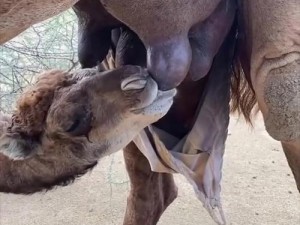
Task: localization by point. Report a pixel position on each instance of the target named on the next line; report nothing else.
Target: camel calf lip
(162, 103)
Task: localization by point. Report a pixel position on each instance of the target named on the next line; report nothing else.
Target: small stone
(256, 214)
(254, 177)
(290, 192)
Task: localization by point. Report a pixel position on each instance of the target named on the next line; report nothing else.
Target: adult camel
(269, 52)
(179, 39)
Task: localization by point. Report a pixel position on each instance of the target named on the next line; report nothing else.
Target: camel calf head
(65, 122)
(102, 111)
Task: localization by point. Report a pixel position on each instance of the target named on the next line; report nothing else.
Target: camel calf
(65, 122)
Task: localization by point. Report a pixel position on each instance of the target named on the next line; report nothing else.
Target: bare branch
(48, 45)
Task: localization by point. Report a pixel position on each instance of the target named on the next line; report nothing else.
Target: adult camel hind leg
(151, 193)
(272, 36)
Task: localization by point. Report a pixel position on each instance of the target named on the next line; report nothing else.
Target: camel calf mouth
(161, 103)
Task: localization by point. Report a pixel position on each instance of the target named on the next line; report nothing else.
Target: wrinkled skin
(270, 42)
(64, 123)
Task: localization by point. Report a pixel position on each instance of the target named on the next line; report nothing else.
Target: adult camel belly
(271, 31)
(179, 35)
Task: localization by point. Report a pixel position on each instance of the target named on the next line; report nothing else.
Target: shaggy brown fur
(34, 103)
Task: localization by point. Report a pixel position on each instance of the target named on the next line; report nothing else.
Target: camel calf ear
(16, 146)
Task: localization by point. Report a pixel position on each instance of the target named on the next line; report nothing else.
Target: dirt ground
(258, 188)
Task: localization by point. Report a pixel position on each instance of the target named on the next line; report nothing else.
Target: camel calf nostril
(133, 83)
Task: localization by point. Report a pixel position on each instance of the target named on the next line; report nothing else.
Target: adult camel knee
(271, 34)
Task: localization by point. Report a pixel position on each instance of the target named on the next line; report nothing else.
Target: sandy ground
(258, 188)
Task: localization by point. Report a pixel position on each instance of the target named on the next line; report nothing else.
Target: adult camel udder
(64, 123)
(181, 36)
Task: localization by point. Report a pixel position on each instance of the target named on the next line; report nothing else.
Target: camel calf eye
(81, 125)
(74, 126)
